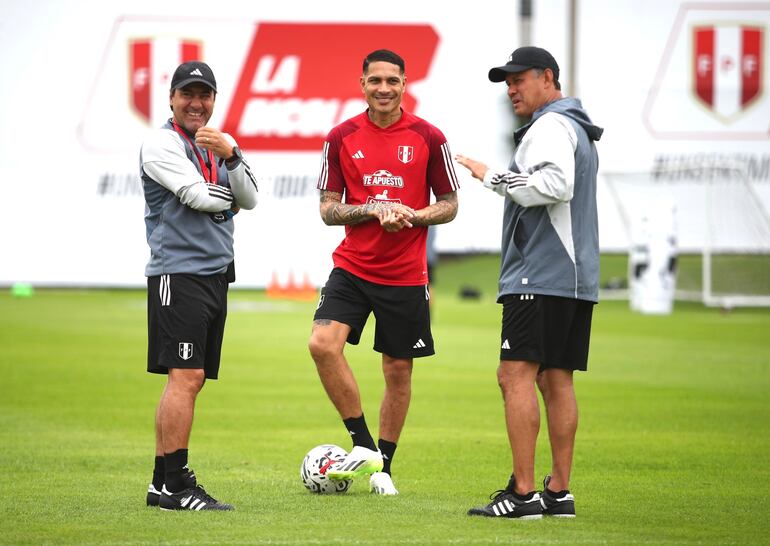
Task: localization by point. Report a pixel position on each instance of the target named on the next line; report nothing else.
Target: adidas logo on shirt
(358, 155)
(506, 345)
(419, 345)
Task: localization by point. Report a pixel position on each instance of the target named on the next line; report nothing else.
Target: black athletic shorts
(186, 322)
(550, 330)
(402, 313)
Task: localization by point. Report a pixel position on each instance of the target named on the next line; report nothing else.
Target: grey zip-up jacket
(550, 243)
(188, 228)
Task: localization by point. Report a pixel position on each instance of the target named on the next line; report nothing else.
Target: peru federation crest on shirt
(405, 153)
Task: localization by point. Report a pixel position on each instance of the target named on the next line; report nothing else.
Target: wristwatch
(236, 157)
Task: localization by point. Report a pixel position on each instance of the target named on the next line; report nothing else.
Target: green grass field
(672, 445)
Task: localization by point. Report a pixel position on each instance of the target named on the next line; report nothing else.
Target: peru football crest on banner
(151, 62)
(727, 62)
(712, 79)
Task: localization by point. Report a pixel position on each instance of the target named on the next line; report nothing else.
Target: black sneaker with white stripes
(153, 496)
(507, 505)
(194, 498)
(559, 504)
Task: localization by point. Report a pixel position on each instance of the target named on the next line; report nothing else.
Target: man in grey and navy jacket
(195, 180)
(549, 276)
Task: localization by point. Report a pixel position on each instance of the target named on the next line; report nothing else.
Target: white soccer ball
(313, 469)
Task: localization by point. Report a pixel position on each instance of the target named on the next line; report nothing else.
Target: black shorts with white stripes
(186, 322)
(402, 313)
(550, 330)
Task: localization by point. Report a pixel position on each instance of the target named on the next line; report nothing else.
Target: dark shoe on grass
(506, 504)
(194, 498)
(560, 504)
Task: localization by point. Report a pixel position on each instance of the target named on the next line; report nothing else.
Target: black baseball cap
(193, 72)
(523, 59)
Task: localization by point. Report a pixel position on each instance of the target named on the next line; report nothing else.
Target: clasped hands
(395, 216)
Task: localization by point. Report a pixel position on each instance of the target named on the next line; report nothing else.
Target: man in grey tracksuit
(195, 180)
(549, 276)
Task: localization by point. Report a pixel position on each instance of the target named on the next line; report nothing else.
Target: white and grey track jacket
(550, 238)
(184, 230)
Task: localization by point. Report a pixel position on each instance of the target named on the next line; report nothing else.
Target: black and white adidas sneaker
(193, 498)
(153, 494)
(560, 504)
(505, 504)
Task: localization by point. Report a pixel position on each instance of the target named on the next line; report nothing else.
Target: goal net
(721, 229)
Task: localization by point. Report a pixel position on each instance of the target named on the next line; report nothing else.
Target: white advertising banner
(82, 84)
(681, 89)
(677, 86)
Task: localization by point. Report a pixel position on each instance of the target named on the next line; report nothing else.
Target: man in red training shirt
(385, 162)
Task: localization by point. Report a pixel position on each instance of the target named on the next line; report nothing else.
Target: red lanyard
(204, 169)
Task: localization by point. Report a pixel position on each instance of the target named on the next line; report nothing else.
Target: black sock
(359, 432)
(557, 493)
(159, 472)
(387, 449)
(176, 467)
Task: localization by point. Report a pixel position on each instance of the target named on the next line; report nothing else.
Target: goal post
(722, 229)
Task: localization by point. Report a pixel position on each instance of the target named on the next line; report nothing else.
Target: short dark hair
(556, 83)
(384, 55)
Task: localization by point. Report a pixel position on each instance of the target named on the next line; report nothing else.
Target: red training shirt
(401, 163)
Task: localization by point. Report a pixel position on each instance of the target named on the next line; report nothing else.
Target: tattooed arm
(442, 211)
(336, 213)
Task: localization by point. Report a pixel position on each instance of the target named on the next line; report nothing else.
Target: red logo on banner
(727, 66)
(300, 80)
(142, 71)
